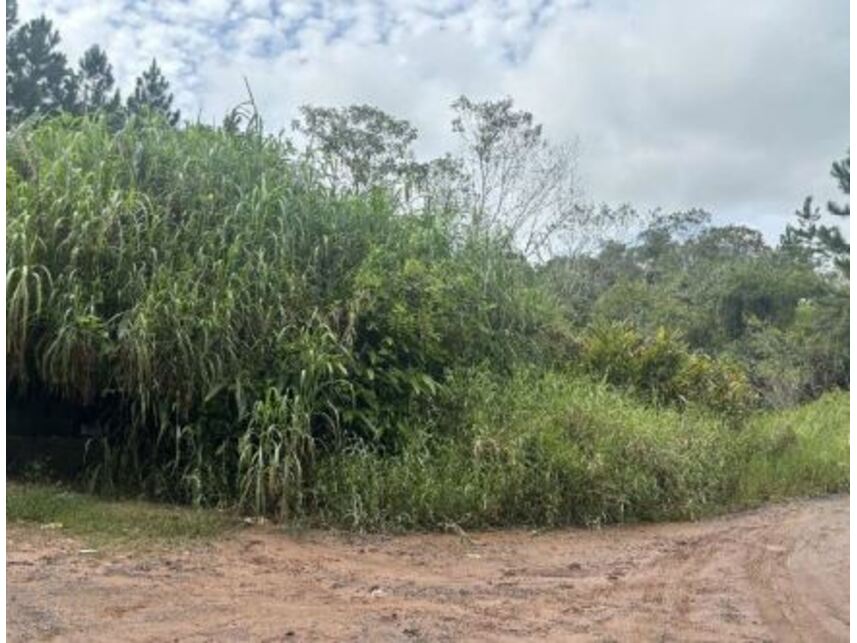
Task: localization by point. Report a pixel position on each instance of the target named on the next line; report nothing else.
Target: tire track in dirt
(775, 574)
(794, 572)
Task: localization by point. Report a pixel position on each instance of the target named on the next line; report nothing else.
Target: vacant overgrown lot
(242, 336)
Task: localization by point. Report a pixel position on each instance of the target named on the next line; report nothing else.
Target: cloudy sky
(736, 106)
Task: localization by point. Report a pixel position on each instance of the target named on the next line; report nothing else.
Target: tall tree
(817, 243)
(841, 171)
(152, 93)
(520, 184)
(95, 82)
(359, 147)
(11, 16)
(38, 79)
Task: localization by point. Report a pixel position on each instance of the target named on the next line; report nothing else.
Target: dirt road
(776, 574)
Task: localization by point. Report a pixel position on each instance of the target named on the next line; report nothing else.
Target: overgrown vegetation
(780, 313)
(245, 334)
(799, 451)
(204, 299)
(335, 330)
(552, 449)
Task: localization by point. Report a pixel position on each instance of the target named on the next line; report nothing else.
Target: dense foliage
(777, 311)
(193, 288)
(242, 331)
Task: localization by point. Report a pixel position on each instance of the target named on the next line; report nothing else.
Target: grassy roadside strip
(621, 463)
(803, 451)
(104, 522)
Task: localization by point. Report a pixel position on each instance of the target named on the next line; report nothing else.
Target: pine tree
(151, 93)
(818, 243)
(841, 171)
(11, 23)
(95, 82)
(11, 16)
(38, 79)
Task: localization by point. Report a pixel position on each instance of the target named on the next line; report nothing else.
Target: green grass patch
(105, 522)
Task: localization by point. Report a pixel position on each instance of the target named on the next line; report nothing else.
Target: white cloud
(718, 104)
(735, 106)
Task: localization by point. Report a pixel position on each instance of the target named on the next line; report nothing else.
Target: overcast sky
(736, 106)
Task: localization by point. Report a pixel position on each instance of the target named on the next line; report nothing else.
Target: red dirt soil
(775, 574)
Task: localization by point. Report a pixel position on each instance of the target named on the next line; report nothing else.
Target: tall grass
(798, 451)
(246, 337)
(555, 449)
(227, 317)
(540, 449)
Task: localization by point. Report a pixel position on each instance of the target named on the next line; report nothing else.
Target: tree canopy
(152, 93)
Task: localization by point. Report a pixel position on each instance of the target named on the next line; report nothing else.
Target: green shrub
(662, 368)
(557, 449)
(800, 362)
